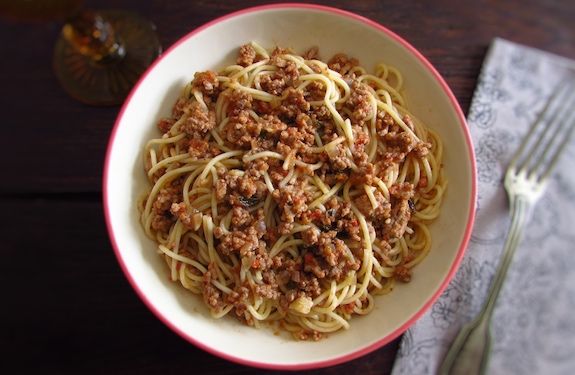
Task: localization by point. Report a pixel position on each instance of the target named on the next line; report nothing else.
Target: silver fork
(525, 180)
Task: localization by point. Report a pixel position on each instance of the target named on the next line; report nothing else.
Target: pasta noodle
(286, 189)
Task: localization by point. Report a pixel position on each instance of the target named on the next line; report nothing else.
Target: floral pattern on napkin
(533, 326)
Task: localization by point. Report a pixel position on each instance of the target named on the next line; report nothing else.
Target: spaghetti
(286, 189)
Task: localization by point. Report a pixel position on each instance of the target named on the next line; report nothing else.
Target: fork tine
(561, 120)
(559, 151)
(552, 102)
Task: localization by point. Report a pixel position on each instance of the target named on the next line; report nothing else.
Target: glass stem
(92, 36)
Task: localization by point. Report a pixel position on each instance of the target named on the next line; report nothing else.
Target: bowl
(215, 45)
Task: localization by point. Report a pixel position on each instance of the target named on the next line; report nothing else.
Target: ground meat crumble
(289, 125)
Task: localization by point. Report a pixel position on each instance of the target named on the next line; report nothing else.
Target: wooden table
(66, 306)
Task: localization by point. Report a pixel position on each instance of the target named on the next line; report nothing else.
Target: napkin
(533, 326)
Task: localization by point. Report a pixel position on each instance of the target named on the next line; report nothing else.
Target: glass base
(108, 83)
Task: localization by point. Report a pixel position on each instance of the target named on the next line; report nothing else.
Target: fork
(525, 181)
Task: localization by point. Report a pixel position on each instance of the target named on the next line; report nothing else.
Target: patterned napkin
(533, 326)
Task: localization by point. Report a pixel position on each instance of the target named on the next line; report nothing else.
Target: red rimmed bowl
(215, 45)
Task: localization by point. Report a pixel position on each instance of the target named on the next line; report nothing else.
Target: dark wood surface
(66, 307)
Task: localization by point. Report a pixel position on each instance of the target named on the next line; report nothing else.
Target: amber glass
(100, 55)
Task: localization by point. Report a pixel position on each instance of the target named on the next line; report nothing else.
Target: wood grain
(67, 304)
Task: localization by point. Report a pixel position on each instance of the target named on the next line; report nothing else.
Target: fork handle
(469, 353)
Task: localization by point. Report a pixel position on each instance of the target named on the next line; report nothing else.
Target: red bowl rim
(362, 351)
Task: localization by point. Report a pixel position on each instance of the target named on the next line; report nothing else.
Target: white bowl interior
(214, 47)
